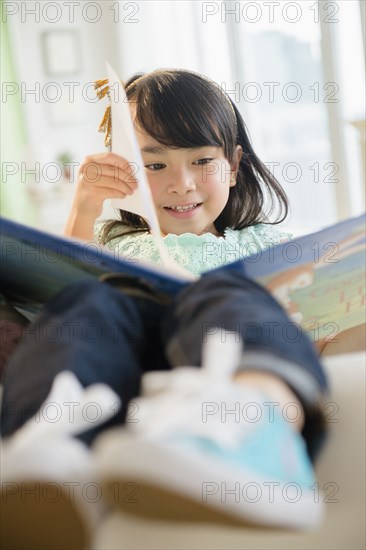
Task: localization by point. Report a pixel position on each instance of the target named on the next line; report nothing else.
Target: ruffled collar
(229, 234)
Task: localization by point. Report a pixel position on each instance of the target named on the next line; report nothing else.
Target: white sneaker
(185, 456)
(50, 498)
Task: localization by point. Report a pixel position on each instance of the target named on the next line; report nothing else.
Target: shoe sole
(157, 482)
(153, 502)
(39, 516)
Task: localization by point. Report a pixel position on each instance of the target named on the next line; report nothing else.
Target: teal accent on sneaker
(274, 451)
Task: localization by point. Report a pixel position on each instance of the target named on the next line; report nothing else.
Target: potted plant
(63, 159)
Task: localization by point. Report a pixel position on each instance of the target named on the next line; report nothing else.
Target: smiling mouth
(186, 208)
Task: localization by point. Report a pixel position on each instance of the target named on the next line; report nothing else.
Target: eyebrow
(154, 149)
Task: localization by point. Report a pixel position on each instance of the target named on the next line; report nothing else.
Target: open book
(318, 278)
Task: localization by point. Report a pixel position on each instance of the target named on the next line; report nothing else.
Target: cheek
(218, 186)
(220, 174)
(219, 196)
(220, 181)
(154, 188)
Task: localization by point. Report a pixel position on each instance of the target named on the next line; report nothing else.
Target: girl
(182, 120)
(188, 439)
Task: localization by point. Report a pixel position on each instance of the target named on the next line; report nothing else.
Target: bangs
(181, 110)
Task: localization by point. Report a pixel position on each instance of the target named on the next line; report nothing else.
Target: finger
(112, 160)
(110, 184)
(103, 193)
(97, 175)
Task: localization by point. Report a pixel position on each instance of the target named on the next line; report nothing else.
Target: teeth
(183, 208)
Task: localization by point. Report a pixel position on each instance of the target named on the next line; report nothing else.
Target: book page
(125, 144)
(318, 278)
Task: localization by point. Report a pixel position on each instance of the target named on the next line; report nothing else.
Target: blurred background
(296, 71)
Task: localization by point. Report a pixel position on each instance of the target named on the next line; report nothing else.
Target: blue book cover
(318, 278)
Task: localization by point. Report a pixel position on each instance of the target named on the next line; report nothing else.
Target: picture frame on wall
(61, 52)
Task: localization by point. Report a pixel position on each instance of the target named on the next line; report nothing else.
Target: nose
(182, 181)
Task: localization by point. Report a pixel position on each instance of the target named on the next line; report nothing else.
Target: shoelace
(181, 412)
(173, 401)
(66, 390)
(220, 360)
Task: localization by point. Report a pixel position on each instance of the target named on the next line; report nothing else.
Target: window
(300, 84)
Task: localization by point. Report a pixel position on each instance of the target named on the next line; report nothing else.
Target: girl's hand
(101, 176)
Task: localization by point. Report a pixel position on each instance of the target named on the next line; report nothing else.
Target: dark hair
(179, 109)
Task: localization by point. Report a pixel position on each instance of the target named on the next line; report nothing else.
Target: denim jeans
(103, 335)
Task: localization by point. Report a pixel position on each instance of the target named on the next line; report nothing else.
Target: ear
(235, 165)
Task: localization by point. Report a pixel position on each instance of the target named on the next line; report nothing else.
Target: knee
(92, 296)
(231, 279)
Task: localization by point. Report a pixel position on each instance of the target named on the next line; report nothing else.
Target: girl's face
(190, 187)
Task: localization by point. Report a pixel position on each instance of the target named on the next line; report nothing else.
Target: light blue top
(198, 253)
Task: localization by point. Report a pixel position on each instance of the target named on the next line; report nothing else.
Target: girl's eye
(155, 166)
(204, 161)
